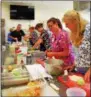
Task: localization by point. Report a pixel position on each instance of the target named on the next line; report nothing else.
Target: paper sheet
(37, 71)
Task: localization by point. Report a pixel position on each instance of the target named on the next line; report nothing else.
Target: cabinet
(81, 5)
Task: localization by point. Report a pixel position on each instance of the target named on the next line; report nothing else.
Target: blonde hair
(74, 16)
(12, 29)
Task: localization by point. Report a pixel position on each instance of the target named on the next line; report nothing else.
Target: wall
(43, 11)
(85, 14)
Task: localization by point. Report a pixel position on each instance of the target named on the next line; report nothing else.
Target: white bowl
(75, 92)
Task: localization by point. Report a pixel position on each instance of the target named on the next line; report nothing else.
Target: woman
(59, 24)
(61, 47)
(80, 36)
(33, 36)
(44, 40)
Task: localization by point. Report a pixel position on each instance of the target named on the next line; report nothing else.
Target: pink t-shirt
(59, 43)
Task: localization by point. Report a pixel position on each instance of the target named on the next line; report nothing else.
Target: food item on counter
(29, 92)
(80, 82)
(32, 89)
(52, 65)
(10, 68)
(75, 78)
(33, 83)
(52, 70)
(17, 72)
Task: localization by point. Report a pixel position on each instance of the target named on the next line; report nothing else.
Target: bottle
(22, 64)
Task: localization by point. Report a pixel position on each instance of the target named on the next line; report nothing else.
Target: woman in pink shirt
(61, 47)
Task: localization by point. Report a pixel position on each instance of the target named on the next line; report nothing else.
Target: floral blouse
(83, 57)
(59, 43)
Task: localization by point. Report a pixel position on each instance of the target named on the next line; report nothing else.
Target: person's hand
(16, 39)
(87, 76)
(30, 37)
(49, 54)
(32, 48)
(48, 50)
(69, 67)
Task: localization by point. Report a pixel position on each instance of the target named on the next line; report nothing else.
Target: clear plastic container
(28, 90)
(75, 92)
(50, 66)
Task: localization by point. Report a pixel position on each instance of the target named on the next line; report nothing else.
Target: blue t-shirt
(9, 39)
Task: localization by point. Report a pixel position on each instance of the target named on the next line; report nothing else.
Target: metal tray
(7, 79)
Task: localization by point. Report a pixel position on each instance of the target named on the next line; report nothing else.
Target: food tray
(9, 79)
(69, 83)
(13, 91)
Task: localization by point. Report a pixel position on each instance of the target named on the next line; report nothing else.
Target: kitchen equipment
(15, 77)
(38, 54)
(28, 59)
(19, 58)
(34, 55)
(75, 92)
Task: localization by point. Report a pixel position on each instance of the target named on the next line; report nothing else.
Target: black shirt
(17, 34)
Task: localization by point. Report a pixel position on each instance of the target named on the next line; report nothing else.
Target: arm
(59, 54)
(88, 75)
(13, 37)
(23, 34)
(38, 43)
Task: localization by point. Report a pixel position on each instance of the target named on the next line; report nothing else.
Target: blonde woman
(80, 36)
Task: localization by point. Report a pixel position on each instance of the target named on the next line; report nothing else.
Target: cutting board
(69, 83)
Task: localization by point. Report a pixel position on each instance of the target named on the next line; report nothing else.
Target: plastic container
(51, 64)
(75, 92)
(17, 76)
(25, 91)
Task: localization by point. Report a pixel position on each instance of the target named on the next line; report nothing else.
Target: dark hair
(38, 25)
(32, 27)
(55, 20)
(19, 25)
